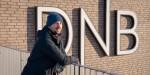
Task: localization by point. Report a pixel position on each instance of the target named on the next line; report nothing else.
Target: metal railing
(15, 60)
(74, 69)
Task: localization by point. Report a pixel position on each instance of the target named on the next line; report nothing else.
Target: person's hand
(74, 60)
(57, 68)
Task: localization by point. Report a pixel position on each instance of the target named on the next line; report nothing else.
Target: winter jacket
(47, 52)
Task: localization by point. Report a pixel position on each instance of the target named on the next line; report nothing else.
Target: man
(48, 51)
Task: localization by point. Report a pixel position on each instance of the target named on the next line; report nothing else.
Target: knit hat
(53, 17)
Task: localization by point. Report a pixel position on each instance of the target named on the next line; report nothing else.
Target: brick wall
(18, 23)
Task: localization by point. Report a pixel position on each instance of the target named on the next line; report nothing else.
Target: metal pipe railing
(18, 59)
(76, 69)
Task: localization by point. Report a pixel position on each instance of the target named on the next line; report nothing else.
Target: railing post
(76, 70)
(99, 73)
(93, 72)
(68, 70)
(64, 72)
(87, 71)
(106, 74)
(81, 70)
(72, 69)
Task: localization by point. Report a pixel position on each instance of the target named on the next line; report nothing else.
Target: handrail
(90, 68)
(77, 69)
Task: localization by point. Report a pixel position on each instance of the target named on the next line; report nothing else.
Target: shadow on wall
(131, 39)
(101, 29)
(31, 27)
(76, 32)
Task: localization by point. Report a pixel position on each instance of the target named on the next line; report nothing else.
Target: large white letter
(61, 12)
(130, 31)
(84, 19)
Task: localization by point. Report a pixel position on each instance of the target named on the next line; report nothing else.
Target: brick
(12, 24)
(4, 36)
(23, 7)
(5, 14)
(11, 18)
(5, 0)
(12, 29)
(3, 3)
(15, 1)
(5, 21)
(14, 6)
(23, 0)
(22, 3)
(5, 6)
(9, 12)
(3, 9)
(3, 18)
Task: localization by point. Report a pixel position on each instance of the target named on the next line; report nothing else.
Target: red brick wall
(18, 23)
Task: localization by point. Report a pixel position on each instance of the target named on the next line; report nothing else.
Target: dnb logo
(84, 20)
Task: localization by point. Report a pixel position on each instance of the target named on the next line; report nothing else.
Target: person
(48, 51)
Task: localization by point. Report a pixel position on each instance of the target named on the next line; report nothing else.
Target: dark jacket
(46, 53)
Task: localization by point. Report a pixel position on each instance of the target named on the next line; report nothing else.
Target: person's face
(56, 27)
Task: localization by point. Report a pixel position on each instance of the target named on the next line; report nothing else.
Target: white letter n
(84, 19)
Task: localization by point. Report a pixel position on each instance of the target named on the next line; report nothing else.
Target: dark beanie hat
(53, 17)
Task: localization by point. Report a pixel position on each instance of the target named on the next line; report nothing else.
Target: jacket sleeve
(53, 52)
